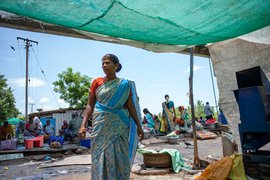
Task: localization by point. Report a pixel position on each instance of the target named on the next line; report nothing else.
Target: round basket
(162, 160)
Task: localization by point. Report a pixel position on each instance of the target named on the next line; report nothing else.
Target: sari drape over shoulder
(114, 137)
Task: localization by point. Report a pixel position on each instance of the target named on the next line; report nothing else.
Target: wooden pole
(191, 100)
(27, 45)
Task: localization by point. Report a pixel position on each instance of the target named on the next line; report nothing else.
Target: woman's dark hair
(145, 110)
(114, 59)
(166, 96)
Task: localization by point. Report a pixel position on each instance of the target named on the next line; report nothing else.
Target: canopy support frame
(196, 163)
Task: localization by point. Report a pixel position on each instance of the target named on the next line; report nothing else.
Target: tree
(73, 88)
(7, 101)
(199, 109)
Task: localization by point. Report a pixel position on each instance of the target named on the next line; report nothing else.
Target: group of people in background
(169, 122)
(34, 127)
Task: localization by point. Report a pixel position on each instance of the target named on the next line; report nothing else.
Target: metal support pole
(32, 104)
(26, 79)
(211, 72)
(191, 100)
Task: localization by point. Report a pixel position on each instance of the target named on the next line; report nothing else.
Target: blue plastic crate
(85, 142)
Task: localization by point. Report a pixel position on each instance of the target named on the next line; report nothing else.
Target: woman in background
(149, 118)
(168, 115)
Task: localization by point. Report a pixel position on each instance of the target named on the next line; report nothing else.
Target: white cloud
(44, 100)
(60, 101)
(195, 68)
(30, 100)
(34, 82)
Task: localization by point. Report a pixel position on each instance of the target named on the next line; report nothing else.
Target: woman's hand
(140, 133)
(82, 133)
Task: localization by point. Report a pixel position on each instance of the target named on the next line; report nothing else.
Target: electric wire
(45, 78)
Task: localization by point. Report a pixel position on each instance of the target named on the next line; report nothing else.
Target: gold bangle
(81, 129)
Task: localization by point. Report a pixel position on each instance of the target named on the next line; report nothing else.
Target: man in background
(74, 124)
(208, 111)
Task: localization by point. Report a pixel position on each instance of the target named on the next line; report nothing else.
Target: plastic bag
(217, 170)
(9, 143)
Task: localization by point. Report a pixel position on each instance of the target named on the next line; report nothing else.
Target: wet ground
(27, 168)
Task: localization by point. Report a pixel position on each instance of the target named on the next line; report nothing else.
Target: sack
(9, 143)
(237, 171)
(55, 145)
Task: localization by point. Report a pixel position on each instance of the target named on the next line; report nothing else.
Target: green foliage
(199, 110)
(73, 88)
(7, 101)
(21, 117)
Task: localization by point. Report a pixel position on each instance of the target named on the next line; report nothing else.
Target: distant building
(58, 116)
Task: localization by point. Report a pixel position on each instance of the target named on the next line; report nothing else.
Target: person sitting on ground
(64, 127)
(198, 126)
(184, 116)
(157, 124)
(36, 130)
(19, 128)
(29, 128)
(64, 131)
(48, 128)
(75, 124)
(201, 120)
(5, 130)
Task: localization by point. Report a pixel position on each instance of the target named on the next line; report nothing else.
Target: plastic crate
(85, 142)
(39, 141)
(29, 144)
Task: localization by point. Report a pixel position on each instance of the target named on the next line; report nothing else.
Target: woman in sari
(113, 138)
(168, 115)
(184, 116)
(149, 118)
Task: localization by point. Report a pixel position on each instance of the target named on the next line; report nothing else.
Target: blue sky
(155, 74)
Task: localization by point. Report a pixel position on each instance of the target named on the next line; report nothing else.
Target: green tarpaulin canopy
(13, 121)
(172, 22)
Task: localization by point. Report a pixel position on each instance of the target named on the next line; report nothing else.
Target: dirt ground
(27, 168)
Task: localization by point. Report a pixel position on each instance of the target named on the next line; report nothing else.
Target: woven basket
(162, 160)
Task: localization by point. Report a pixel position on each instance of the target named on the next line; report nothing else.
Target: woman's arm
(133, 113)
(88, 110)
